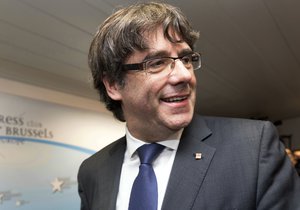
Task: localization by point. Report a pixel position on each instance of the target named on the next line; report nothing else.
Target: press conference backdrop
(41, 147)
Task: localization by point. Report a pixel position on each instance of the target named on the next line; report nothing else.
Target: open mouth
(175, 99)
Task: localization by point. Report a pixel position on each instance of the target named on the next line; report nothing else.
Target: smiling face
(157, 105)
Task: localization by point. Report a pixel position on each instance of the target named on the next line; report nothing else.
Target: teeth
(175, 99)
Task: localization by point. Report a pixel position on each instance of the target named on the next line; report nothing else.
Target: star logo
(19, 203)
(1, 197)
(56, 185)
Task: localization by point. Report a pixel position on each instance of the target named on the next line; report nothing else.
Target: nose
(180, 73)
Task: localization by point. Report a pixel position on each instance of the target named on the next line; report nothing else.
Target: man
(143, 64)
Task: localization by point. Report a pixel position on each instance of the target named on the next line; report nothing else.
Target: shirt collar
(133, 143)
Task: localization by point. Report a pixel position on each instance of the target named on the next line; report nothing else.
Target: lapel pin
(198, 155)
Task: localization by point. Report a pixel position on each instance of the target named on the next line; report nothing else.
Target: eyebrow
(163, 53)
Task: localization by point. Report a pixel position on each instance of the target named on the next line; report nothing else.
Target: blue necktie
(144, 189)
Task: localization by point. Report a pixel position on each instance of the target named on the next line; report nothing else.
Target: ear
(112, 89)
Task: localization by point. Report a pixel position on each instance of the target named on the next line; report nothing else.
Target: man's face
(157, 105)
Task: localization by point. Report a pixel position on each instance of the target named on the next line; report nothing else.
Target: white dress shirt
(162, 166)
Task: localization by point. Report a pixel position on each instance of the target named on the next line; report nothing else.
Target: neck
(155, 136)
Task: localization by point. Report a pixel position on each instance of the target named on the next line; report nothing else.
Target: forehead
(157, 42)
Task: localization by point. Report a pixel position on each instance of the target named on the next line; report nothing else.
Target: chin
(180, 123)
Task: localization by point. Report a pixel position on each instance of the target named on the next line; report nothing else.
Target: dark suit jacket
(243, 166)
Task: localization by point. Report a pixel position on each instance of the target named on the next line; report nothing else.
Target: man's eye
(186, 59)
(157, 63)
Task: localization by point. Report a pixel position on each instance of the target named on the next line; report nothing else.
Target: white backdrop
(41, 147)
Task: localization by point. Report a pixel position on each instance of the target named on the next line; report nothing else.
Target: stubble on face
(157, 107)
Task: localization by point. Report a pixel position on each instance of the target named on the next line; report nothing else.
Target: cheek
(149, 84)
(193, 80)
(148, 94)
(136, 89)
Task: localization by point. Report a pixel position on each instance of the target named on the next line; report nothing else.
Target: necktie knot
(148, 152)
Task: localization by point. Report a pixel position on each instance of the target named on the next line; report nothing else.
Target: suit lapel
(114, 167)
(188, 172)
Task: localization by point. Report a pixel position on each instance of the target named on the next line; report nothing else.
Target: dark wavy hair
(122, 33)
